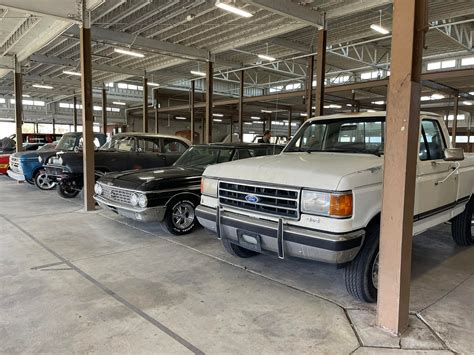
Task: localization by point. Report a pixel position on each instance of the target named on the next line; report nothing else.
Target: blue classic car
(28, 166)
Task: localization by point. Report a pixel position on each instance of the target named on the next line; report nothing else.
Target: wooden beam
(191, 108)
(289, 121)
(18, 87)
(104, 109)
(209, 103)
(145, 104)
(455, 119)
(309, 87)
(74, 113)
(241, 106)
(320, 71)
(401, 152)
(157, 115)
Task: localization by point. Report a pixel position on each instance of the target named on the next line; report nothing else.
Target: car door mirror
(453, 154)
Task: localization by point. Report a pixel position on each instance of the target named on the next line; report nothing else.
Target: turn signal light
(341, 205)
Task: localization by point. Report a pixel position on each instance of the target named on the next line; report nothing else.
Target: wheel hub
(375, 272)
(183, 215)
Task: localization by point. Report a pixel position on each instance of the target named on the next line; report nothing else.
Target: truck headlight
(40, 159)
(209, 186)
(98, 189)
(134, 199)
(332, 204)
(142, 200)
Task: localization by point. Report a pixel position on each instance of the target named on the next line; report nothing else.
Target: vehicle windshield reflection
(200, 157)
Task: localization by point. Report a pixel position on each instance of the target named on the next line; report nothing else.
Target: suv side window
(432, 142)
(173, 146)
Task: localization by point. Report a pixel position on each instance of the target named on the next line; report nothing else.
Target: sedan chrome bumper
(147, 214)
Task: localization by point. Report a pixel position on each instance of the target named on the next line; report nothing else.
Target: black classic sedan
(125, 151)
(170, 195)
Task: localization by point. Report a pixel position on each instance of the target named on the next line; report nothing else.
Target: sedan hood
(153, 179)
(317, 170)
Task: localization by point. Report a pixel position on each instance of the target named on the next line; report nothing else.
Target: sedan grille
(117, 195)
(278, 202)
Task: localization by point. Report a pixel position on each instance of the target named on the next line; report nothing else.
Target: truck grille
(117, 195)
(15, 165)
(268, 200)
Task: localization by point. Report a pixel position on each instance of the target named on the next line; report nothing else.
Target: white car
(320, 199)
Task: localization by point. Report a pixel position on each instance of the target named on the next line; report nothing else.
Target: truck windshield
(345, 135)
(67, 142)
(200, 157)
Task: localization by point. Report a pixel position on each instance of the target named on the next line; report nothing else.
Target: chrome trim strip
(259, 204)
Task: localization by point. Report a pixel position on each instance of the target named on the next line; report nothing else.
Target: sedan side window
(432, 142)
(173, 146)
(149, 145)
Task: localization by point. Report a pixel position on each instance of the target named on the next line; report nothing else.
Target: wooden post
(87, 118)
(54, 124)
(241, 106)
(145, 104)
(289, 122)
(209, 103)
(104, 109)
(74, 113)
(18, 87)
(191, 108)
(401, 152)
(157, 115)
(320, 71)
(309, 87)
(455, 119)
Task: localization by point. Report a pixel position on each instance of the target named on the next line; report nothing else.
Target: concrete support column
(320, 71)
(104, 109)
(87, 118)
(157, 115)
(209, 102)
(241, 106)
(309, 87)
(401, 151)
(191, 109)
(145, 104)
(74, 113)
(18, 87)
(455, 119)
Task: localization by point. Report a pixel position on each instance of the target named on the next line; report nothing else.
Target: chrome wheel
(183, 215)
(375, 272)
(44, 182)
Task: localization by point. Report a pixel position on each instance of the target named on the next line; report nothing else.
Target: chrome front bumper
(147, 214)
(281, 238)
(16, 176)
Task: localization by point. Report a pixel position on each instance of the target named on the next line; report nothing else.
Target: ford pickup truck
(321, 198)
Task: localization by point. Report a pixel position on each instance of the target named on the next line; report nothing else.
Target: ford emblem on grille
(252, 198)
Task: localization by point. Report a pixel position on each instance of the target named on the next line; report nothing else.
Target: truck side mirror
(453, 154)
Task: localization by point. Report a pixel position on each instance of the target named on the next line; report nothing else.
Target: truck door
(431, 195)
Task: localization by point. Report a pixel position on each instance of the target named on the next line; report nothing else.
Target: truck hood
(33, 155)
(317, 170)
(153, 179)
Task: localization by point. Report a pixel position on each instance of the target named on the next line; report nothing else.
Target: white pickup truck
(320, 199)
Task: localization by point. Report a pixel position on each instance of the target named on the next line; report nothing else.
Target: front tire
(462, 226)
(66, 191)
(237, 250)
(361, 275)
(180, 217)
(43, 182)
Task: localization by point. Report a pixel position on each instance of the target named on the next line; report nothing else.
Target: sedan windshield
(345, 135)
(200, 157)
(67, 142)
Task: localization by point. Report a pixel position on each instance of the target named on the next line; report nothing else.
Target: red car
(4, 163)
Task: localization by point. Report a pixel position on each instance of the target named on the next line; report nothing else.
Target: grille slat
(116, 195)
(277, 202)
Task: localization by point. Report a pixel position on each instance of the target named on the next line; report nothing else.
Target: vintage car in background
(273, 140)
(28, 166)
(125, 151)
(170, 195)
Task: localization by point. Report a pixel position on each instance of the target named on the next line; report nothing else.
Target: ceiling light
(371, 111)
(437, 96)
(266, 111)
(379, 29)
(26, 95)
(41, 86)
(69, 72)
(248, 123)
(233, 9)
(266, 57)
(152, 84)
(218, 115)
(198, 73)
(127, 52)
(119, 103)
(378, 102)
(304, 114)
(217, 120)
(180, 118)
(425, 98)
(254, 117)
(468, 103)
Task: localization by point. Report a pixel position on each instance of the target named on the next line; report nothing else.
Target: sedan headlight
(209, 186)
(142, 200)
(134, 199)
(98, 189)
(332, 204)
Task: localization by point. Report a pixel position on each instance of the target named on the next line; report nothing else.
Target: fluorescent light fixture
(379, 29)
(254, 117)
(468, 103)
(130, 53)
(266, 57)
(332, 106)
(378, 102)
(218, 115)
(248, 123)
(349, 105)
(180, 118)
(119, 103)
(266, 111)
(152, 84)
(425, 98)
(41, 86)
(198, 73)
(69, 72)
(371, 111)
(437, 96)
(26, 95)
(217, 120)
(233, 9)
(304, 114)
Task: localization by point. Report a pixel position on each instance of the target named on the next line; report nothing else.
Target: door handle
(454, 168)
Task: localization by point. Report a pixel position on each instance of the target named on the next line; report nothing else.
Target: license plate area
(249, 240)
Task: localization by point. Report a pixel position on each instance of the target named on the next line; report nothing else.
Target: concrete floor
(93, 282)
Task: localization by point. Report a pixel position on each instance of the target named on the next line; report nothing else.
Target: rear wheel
(361, 275)
(462, 226)
(67, 191)
(236, 250)
(42, 181)
(180, 216)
